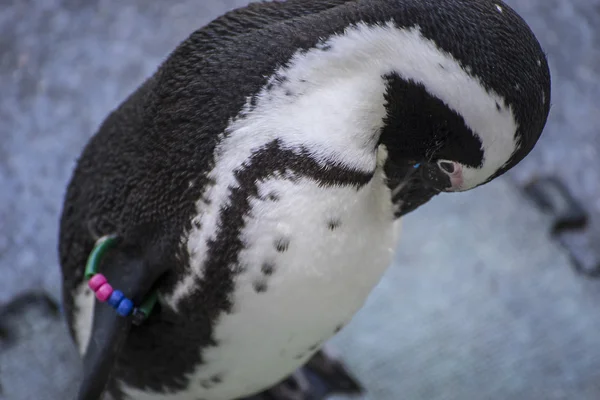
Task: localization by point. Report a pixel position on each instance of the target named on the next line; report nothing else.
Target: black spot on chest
(334, 224)
(268, 268)
(273, 197)
(282, 244)
(260, 286)
(212, 381)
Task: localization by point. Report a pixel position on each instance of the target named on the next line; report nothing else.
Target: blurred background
(492, 295)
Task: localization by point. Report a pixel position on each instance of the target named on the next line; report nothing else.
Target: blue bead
(417, 165)
(125, 307)
(115, 298)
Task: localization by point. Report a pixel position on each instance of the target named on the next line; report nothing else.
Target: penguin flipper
(109, 333)
(128, 272)
(320, 378)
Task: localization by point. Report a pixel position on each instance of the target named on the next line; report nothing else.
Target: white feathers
(84, 301)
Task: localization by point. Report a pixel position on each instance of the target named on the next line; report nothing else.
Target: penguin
(255, 183)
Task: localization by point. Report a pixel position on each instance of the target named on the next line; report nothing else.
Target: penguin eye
(447, 166)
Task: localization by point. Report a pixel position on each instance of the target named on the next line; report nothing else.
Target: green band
(149, 303)
(103, 244)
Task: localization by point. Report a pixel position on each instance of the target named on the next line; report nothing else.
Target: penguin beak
(414, 184)
(409, 188)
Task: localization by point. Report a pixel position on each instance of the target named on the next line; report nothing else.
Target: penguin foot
(321, 377)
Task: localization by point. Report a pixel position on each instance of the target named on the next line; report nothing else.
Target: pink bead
(104, 292)
(96, 281)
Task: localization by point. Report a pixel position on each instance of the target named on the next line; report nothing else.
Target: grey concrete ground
(481, 304)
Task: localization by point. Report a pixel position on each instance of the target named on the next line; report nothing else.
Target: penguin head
(466, 103)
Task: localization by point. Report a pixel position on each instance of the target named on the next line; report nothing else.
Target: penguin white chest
(312, 255)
